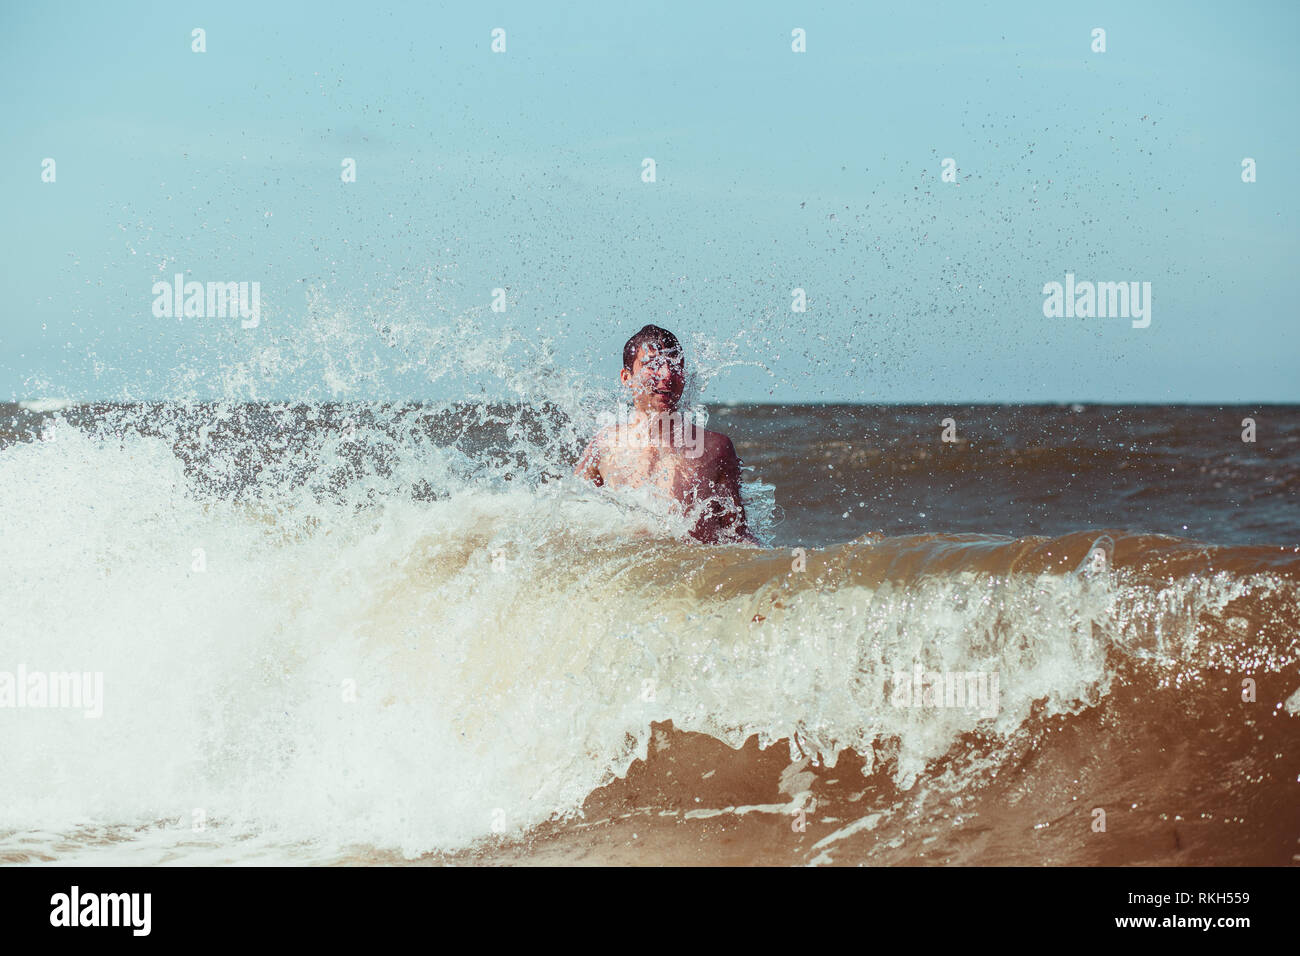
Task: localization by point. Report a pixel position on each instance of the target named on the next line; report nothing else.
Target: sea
(271, 633)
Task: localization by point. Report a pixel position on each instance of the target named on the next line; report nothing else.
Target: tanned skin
(693, 466)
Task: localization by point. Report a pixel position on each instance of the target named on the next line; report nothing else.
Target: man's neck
(647, 416)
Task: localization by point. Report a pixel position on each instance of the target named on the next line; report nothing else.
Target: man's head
(654, 368)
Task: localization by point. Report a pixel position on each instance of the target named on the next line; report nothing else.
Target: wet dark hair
(661, 340)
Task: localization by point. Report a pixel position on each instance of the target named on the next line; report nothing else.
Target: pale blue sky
(775, 170)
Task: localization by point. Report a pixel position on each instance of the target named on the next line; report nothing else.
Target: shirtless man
(658, 447)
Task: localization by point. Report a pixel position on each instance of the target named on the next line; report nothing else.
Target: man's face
(656, 379)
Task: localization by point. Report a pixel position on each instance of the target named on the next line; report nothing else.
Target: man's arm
(588, 466)
(732, 522)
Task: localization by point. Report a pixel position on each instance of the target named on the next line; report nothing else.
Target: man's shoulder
(601, 443)
(716, 443)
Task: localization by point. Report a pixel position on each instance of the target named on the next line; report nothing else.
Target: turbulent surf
(406, 633)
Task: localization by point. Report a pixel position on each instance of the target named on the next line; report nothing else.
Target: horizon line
(71, 402)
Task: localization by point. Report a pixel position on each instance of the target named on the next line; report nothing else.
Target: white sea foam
(420, 674)
(41, 405)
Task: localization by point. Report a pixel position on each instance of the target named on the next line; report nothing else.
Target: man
(657, 447)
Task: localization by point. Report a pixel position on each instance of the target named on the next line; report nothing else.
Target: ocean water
(389, 633)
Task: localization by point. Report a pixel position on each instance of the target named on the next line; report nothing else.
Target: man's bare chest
(667, 469)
